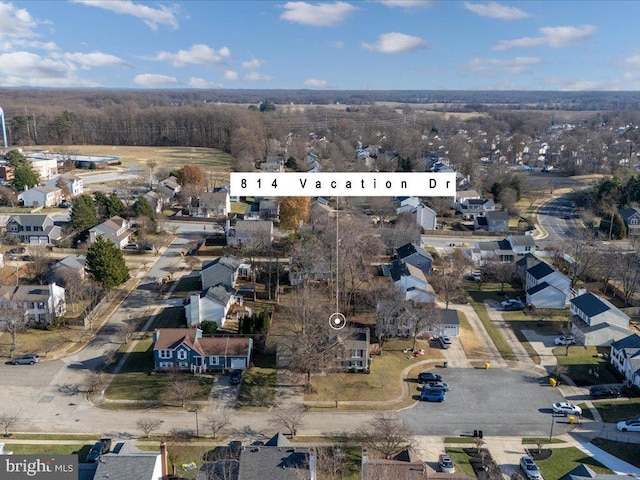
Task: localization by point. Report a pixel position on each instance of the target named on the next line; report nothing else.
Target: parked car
(436, 386)
(29, 359)
(446, 464)
(426, 377)
(445, 342)
(100, 448)
(235, 377)
(432, 395)
(602, 391)
(511, 301)
(629, 426)
(529, 468)
(564, 340)
(567, 408)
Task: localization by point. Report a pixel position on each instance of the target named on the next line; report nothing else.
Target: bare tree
(8, 420)
(584, 252)
(386, 435)
(73, 283)
(628, 270)
(389, 304)
(93, 380)
(422, 315)
(182, 390)
(218, 421)
(39, 265)
(288, 418)
(500, 271)
(13, 322)
(147, 425)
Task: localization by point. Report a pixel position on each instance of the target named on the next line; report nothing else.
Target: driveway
(543, 345)
(496, 401)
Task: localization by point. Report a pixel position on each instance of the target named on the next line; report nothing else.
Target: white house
(625, 357)
(546, 287)
(223, 270)
(41, 196)
(412, 282)
(37, 303)
(522, 244)
(212, 205)
(214, 304)
(250, 233)
(463, 195)
(73, 182)
(425, 217)
(34, 228)
(595, 321)
(407, 204)
(116, 229)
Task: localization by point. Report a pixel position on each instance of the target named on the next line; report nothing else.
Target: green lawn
(564, 460)
(629, 452)
(258, 388)
(580, 360)
(185, 285)
(51, 436)
(545, 441)
(460, 460)
(170, 317)
(46, 449)
(617, 410)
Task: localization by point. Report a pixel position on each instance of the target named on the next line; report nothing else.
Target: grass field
(258, 388)
(614, 411)
(47, 449)
(460, 460)
(580, 360)
(624, 451)
(563, 460)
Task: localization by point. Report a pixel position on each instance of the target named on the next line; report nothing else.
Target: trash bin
(487, 365)
(571, 419)
(552, 382)
(445, 364)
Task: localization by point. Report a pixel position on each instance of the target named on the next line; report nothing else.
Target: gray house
(595, 321)
(625, 357)
(631, 218)
(493, 221)
(415, 255)
(34, 229)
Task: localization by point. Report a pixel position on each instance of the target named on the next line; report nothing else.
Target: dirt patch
(542, 454)
(483, 465)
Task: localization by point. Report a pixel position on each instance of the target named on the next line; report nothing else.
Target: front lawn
(581, 360)
(460, 460)
(170, 317)
(624, 451)
(384, 381)
(472, 347)
(477, 302)
(186, 284)
(258, 387)
(563, 460)
(613, 411)
(47, 449)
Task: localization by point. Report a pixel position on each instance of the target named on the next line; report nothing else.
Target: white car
(629, 426)
(564, 340)
(567, 408)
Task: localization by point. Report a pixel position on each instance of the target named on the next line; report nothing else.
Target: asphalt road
(496, 401)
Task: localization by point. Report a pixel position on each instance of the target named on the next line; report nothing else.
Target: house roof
(170, 338)
(213, 199)
(476, 201)
(254, 225)
(220, 293)
(583, 472)
(32, 220)
(528, 261)
(278, 440)
(353, 338)
(220, 271)
(591, 304)
(627, 213)
(411, 248)
(448, 317)
(521, 240)
(540, 270)
(76, 262)
(275, 463)
(482, 221)
(25, 293)
(632, 341)
(46, 189)
(497, 216)
(125, 467)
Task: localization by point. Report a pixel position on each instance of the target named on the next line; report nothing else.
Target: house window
(182, 354)
(634, 221)
(183, 364)
(213, 360)
(27, 228)
(356, 364)
(527, 249)
(165, 364)
(164, 354)
(358, 353)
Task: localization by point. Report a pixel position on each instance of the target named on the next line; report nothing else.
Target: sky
(344, 45)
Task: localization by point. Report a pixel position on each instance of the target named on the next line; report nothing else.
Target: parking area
(496, 401)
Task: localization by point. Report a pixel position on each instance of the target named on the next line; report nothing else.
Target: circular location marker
(337, 321)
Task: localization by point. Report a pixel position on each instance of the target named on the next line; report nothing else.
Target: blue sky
(347, 45)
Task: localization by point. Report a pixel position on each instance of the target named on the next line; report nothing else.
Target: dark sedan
(602, 391)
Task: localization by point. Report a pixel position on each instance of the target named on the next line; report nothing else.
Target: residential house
(125, 462)
(447, 323)
(71, 264)
(41, 196)
(522, 265)
(472, 207)
(212, 205)
(405, 465)
(416, 256)
(226, 188)
(298, 273)
(407, 204)
(272, 165)
(269, 209)
(494, 250)
(522, 244)
(463, 195)
(625, 357)
(425, 217)
(223, 271)
(546, 287)
(37, 303)
(278, 459)
(34, 229)
(6, 172)
(496, 221)
(187, 348)
(250, 233)
(412, 281)
(74, 183)
(116, 230)
(583, 472)
(631, 218)
(595, 321)
(216, 304)
(155, 199)
(169, 187)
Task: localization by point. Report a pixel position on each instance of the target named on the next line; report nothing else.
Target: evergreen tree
(142, 208)
(24, 175)
(83, 213)
(108, 206)
(106, 265)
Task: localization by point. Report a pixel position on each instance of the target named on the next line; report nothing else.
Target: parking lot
(496, 401)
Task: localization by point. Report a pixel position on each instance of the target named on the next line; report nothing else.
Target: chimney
(163, 460)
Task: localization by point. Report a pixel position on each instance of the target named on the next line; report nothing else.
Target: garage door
(238, 363)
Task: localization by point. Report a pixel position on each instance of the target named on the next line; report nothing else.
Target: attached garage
(238, 363)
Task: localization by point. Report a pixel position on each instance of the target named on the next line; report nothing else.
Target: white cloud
(395, 43)
(407, 3)
(16, 22)
(257, 77)
(317, 83)
(495, 10)
(318, 15)
(492, 67)
(152, 17)
(154, 80)
(31, 70)
(231, 75)
(556, 37)
(253, 64)
(195, 82)
(632, 61)
(338, 44)
(198, 54)
(95, 59)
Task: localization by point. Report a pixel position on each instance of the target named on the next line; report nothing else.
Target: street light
(553, 421)
(195, 410)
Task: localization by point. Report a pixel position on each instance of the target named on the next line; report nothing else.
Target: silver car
(25, 360)
(529, 468)
(446, 464)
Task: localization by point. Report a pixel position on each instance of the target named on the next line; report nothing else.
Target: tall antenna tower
(4, 130)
